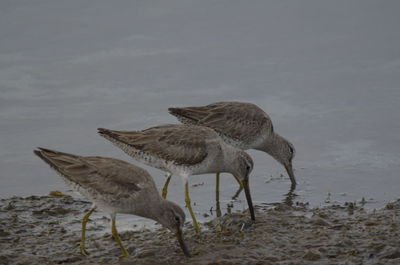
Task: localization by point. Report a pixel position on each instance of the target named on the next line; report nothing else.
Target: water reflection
(288, 200)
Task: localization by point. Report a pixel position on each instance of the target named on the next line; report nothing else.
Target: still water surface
(328, 74)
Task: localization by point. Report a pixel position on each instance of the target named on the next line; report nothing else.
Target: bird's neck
(272, 145)
(233, 160)
(150, 209)
(230, 157)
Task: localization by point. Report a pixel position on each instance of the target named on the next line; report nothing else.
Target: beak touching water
(185, 250)
(289, 170)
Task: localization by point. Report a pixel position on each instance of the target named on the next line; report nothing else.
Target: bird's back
(241, 124)
(105, 181)
(172, 143)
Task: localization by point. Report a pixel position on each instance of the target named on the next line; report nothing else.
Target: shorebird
(184, 151)
(243, 125)
(115, 186)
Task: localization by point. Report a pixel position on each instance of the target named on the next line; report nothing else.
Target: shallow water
(327, 73)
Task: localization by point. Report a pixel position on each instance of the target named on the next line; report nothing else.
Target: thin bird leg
(83, 235)
(237, 193)
(218, 206)
(189, 206)
(117, 238)
(234, 197)
(165, 187)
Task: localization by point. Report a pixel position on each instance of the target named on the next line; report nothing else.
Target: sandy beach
(46, 230)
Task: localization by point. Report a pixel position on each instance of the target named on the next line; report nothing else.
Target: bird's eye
(177, 219)
(291, 150)
(248, 168)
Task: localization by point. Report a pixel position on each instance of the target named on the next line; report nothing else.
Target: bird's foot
(84, 251)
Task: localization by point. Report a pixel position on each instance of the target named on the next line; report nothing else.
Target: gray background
(327, 72)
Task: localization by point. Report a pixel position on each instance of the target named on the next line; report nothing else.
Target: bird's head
(173, 218)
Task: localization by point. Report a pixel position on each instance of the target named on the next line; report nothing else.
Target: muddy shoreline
(46, 230)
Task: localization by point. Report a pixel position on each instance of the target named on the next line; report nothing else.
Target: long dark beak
(289, 170)
(185, 250)
(248, 197)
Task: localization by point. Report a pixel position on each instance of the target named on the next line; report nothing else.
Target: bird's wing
(236, 120)
(106, 176)
(179, 144)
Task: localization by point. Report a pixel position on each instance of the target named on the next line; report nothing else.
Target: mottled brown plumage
(168, 142)
(103, 176)
(115, 186)
(184, 150)
(244, 122)
(243, 125)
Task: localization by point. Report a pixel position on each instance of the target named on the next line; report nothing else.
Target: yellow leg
(189, 206)
(165, 187)
(239, 182)
(83, 236)
(218, 206)
(117, 238)
(234, 197)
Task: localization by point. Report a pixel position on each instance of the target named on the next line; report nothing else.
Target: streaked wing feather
(236, 120)
(103, 175)
(180, 144)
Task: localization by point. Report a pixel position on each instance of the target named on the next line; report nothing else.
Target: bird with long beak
(243, 125)
(185, 150)
(115, 186)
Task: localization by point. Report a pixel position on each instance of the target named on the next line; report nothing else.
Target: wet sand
(46, 230)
